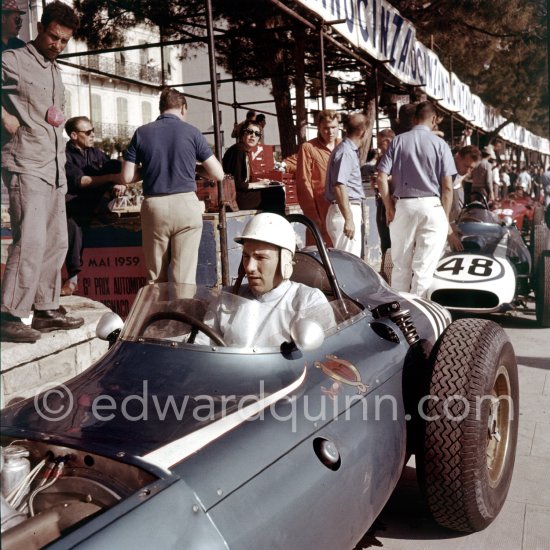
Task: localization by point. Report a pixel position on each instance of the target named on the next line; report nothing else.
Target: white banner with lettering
(377, 28)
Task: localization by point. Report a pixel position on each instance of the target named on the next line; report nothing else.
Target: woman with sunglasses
(236, 162)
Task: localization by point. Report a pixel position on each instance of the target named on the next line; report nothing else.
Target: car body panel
(361, 283)
(233, 477)
(164, 521)
(372, 455)
(261, 442)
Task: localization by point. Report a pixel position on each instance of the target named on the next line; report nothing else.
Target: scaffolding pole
(222, 223)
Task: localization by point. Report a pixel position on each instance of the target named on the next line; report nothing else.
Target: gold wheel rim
(498, 425)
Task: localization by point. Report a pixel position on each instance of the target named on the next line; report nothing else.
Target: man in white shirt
(524, 180)
(497, 184)
(505, 180)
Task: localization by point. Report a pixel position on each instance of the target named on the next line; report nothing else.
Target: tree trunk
(494, 133)
(283, 107)
(280, 88)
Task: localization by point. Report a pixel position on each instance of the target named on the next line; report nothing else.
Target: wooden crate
(207, 191)
(291, 196)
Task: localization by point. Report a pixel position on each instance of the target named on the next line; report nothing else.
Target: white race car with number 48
(496, 271)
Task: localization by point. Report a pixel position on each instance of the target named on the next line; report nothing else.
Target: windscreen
(176, 314)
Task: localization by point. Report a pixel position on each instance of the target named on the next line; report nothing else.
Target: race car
(496, 271)
(177, 438)
(519, 209)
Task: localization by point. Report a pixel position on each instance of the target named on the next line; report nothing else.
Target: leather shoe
(69, 288)
(16, 331)
(54, 319)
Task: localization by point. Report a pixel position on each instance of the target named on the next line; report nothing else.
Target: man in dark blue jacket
(90, 176)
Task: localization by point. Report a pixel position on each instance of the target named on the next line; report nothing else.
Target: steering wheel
(482, 203)
(184, 318)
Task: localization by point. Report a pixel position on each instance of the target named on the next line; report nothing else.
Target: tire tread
(450, 461)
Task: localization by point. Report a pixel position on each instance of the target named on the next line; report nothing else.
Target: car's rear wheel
(542, 289)
(471, 421)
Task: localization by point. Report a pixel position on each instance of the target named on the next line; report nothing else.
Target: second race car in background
(496, 271)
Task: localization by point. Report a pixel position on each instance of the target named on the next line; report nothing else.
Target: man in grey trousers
(33, 165)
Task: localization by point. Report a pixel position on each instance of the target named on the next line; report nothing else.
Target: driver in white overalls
(272, 302)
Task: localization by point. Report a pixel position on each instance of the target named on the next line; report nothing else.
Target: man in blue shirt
(344, 188)
(166, 152)
(417, 208)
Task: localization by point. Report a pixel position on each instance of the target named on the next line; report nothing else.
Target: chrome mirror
(109, 326)
(307, 334)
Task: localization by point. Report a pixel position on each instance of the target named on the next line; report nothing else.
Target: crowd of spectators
(456, 177)
(504, 178)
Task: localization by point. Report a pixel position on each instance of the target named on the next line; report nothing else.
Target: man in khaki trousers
(165, 152)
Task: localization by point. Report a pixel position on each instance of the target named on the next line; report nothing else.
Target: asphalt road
(524, 522)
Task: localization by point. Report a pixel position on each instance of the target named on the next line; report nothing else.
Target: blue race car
(177, 438)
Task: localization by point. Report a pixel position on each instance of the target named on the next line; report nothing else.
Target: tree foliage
(499, 48)
(256, 43)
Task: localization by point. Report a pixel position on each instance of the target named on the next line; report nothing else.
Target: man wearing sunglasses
(91, 175)
(11, 25)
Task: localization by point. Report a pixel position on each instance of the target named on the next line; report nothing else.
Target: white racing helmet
(273, 229)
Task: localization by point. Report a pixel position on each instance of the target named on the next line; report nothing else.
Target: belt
(358, 202)
(427, 197)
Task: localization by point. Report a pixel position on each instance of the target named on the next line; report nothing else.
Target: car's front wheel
(537, 243)
(542, 289)
(470, 425)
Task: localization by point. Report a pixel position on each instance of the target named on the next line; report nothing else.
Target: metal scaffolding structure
(330, 47)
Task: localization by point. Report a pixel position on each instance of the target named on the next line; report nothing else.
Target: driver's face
(261, 265)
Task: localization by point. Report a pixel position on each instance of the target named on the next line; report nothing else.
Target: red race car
(520, 209)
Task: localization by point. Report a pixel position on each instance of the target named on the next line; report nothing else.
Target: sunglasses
(87, 132)
(253, 133)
